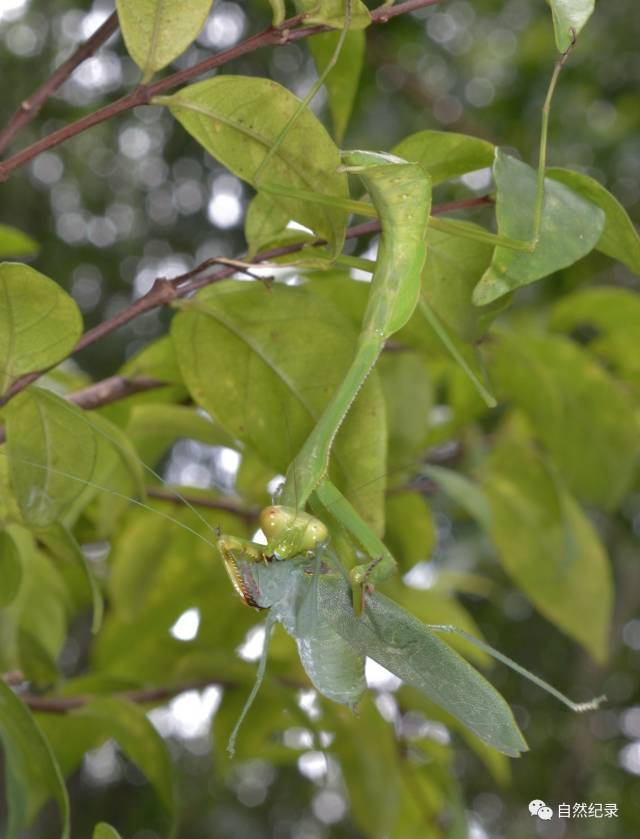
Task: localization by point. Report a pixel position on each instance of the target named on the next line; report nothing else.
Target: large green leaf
(289, 350)
(584, 419)
(608, 318)
(14, 242)
(571, 227)
(39, 323)
(445, 154)
(157, 31)
(619, 238)
(237, 120)
(342, 82)
(548, 546)
(569, 17)
(31, 770)
(59, 458)
(129, 725)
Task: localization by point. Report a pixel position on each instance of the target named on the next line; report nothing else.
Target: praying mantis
(338, 620)
(334, 637)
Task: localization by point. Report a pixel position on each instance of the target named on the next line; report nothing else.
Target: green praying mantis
(337, 617)
(336, 621)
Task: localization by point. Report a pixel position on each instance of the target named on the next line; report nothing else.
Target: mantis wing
(404, 645)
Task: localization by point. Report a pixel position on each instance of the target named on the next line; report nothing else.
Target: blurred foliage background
(135, 198)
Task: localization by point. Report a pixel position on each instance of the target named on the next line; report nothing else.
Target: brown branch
(164, 292)
(65, 704)
(111, 390)
(249, 514)
(286, 33)
(105, 392)
(30, 108)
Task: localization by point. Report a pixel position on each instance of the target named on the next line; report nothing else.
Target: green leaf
(444, 154)
(569, 18)
(226, 335)
(10, 568)
(571, 227)
(129, 726)
(39, 323)
(237, 120)
(104, 831)
(408, 392)
(583, 418)
(154, 427)
(14, 242)
(38, 664)
(548, 546)
(45, 435)
(410, 532)
(464, 492)
(371, 769)
(331, 13)
(344, 78)
(155, 31)
(44, 438)
(452, 270)
(610, 316)
(265, 222)
(63, 546)
(34, 625)
(31, 769)
(619, 238)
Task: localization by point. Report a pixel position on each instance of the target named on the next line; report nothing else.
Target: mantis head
(291, 533)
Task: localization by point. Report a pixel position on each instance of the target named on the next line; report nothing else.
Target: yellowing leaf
(157, 31)
(237, 119)
(548, 546)
(39, 323)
